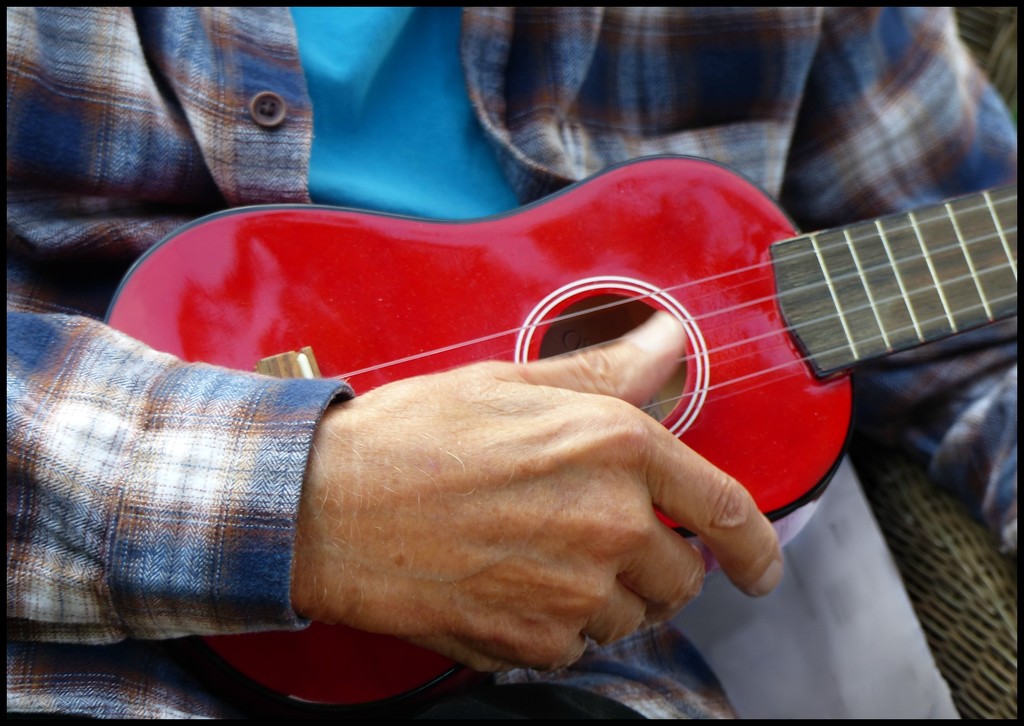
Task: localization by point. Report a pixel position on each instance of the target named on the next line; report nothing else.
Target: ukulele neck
(860, 292)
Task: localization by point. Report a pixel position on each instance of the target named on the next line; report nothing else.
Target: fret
(991, 249)
(861, 272)
(882, 279)
(917, 282)
(852, 300)
(830, 283)
(931, 269)
(970, 264)
(1010, 208)
(963, 298)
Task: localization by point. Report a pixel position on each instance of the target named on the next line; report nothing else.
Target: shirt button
(267, 109)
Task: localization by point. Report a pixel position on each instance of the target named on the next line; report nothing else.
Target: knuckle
(638, 621)
(624, 627)
(620, 520)
(730, 505)
(689, 586)
(629, 527)
(592, 594)
(573, 652)
(631, 432)
(681, 590)
(490, 370)
(625, 430)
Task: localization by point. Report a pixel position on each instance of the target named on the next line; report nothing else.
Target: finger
(572, 654)
(624, 612)
(719, 510)
(633, 367)
(667, 574)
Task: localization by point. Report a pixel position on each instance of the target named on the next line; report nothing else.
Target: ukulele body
(380, 298)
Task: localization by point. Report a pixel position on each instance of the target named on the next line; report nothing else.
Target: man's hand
(500, 513)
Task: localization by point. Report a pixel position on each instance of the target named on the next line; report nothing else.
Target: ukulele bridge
(292, 364)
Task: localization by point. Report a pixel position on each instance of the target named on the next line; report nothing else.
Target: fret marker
(835, 298)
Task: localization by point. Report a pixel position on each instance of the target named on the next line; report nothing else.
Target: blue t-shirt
(393, 129)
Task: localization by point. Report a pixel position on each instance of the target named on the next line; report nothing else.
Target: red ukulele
(773, 321)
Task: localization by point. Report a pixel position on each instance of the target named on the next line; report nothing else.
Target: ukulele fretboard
(859, 292)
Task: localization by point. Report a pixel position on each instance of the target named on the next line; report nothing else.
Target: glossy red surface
(381, 298)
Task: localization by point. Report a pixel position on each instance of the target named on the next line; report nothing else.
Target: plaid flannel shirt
(149, 498)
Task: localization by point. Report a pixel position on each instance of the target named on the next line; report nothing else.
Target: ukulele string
(777, 332)
(847, 276)
(705, 280)
(717, 292)
(793, 363)
(793, 366)
(702, 317)
(958, 247)
(853, 274)
(787, 369)
(871, 304)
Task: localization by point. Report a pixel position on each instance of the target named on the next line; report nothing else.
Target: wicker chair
(991, 33)
(963, 590)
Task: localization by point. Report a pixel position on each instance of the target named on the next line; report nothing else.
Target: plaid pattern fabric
(149, 498)
(175, 514)
(841, 114)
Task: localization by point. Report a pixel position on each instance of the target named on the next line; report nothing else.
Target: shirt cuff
(154, 498)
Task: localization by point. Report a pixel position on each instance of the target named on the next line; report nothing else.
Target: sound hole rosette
(548, 310)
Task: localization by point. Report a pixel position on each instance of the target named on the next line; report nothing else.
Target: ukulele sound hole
(598, 319)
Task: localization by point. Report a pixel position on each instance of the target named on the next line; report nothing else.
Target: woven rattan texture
(963, 590)
(991, 33)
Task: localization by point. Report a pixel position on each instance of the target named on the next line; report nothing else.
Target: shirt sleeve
(897, 116)
(147, 497)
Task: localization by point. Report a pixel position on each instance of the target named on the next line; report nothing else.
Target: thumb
(633, 367)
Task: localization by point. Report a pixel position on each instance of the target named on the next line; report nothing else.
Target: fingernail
(658, 333)
(768, 581)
